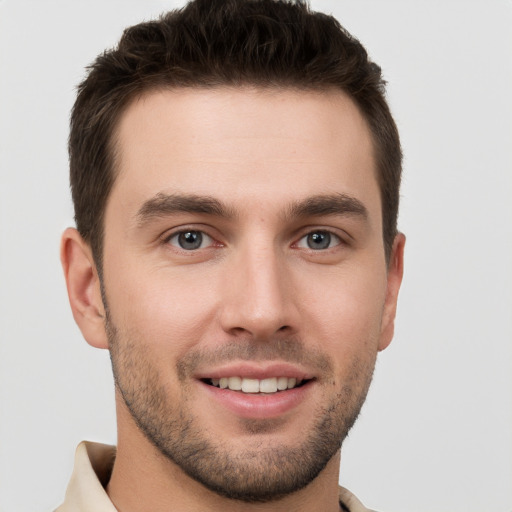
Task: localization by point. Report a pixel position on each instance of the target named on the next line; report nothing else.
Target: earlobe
(83, 285)
(394, 280)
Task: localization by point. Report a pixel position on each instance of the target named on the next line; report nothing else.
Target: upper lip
(254, 370)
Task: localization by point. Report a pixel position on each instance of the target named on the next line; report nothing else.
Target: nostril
(283, 328)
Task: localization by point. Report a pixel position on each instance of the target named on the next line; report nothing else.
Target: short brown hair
(211, 43)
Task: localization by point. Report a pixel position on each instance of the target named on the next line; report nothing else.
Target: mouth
(267, 386)
(258, 391)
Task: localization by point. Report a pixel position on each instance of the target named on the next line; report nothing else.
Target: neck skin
(143, 479)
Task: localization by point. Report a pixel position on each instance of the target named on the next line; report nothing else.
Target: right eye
(190, 240)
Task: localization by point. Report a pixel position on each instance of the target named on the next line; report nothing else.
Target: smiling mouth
(255, 386)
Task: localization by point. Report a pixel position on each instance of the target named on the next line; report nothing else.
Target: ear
(394, 280)
(83, 286)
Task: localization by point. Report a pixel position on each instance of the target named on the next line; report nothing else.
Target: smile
(246, 385)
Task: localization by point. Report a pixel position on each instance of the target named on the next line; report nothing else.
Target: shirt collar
(91, 472)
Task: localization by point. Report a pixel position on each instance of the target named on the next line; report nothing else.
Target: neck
(144, 479)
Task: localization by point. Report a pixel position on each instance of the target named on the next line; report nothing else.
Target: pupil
(190, 240)
(319, 240)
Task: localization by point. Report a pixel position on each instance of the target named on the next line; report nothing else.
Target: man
(235, 174)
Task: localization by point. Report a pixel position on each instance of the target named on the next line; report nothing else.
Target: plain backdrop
(436, 432)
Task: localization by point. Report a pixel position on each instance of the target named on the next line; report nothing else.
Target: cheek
(163, 310)
(345, 315)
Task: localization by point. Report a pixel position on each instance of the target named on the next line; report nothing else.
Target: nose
(258, 297)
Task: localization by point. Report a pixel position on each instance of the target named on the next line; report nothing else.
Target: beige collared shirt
(93, 465)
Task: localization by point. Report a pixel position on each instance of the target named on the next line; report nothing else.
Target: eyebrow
(162, 205)
(330, 204)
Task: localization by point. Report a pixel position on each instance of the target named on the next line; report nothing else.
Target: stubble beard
(258, 474)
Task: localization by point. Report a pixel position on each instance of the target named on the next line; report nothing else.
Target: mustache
(290, 349)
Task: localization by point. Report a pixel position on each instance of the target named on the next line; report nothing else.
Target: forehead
(247, 145)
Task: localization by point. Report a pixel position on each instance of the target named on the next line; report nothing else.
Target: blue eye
(319, 240)
(190, 240)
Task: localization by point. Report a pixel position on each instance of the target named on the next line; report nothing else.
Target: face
(245, 281)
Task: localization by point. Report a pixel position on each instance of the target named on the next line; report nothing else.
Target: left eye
(190, 240)
(318, 240)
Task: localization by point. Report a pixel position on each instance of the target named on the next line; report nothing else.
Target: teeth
(282, 383)
(270, 385)
(235, 383)
(250, 385)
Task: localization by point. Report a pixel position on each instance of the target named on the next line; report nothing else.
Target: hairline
(96, 241)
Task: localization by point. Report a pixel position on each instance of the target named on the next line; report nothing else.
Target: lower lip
(257, 405)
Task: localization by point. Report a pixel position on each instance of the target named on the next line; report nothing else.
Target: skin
(254, 290)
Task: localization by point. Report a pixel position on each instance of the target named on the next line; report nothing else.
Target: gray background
(436, 432)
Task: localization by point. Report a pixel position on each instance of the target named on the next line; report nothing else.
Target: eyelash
(323, 233)
(331, 237)
(182, 232)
